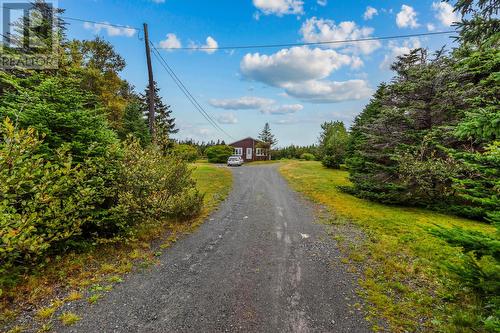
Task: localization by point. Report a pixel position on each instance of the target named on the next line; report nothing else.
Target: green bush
(60, 110)
(219, 154)
(42, 202)
(188, 153)
(154, 186)
(308, 157)
(479, 269)
(333, 144)
(50, 205)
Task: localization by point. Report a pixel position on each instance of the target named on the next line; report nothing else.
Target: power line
(186, 92)
(100, 23)
(88, 21)
(261, 46)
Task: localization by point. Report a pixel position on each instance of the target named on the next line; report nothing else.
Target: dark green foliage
(431, 137)
(164, 122)
(201, 146)
(333, 144)
(66, 180)
(58, 109)
(135, 124)
(267, 136)
(219, 154)
(52, 204)
(480, 270)
(428, 138)
(293, 152)
(42, 203)
(471, 241)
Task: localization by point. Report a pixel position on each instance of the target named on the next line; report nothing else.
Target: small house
(251, 149)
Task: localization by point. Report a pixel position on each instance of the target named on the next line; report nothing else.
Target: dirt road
(260, 264)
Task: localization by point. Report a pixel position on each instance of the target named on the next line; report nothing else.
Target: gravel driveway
(260, 264)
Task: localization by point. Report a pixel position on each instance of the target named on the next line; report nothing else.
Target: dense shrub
(188, 153)
(480, 270)
(429, 138)
(154, 186)
(59, 109)
(219, 154)
(307, 157)
(333, 144)
(42, 203)
(47, 205)
(293, 152)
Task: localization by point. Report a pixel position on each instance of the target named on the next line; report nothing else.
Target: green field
(404, 274)
(214, 182)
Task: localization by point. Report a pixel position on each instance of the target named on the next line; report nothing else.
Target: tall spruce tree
(429, 137)
(267, 137)
(164, 122)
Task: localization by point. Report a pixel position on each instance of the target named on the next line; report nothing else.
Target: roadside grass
(68, 318)
(405, 278)
(91, 273)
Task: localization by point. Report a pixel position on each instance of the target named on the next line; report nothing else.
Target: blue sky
(294, 89)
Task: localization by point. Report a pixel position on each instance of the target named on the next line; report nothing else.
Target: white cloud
(323, 91)
(242, 103)
(227, 118)
(302, 71)
(396, 50)
(291, 65)
(289, 121)
(431, 27)
(196, 131)
(444, 13)
(211, 44)
(322, 2)
(407, 17)
(282, 109)
(110, 30)
(209, 47)
(316, 30)
(279, 7)
(370, 12)
(172, 42)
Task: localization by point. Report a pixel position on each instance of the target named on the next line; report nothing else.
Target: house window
(260, 151)
(238, 151)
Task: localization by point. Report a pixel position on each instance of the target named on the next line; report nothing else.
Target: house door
(249, 153)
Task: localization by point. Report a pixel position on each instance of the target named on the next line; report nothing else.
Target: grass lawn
(215, 182)
(90, 273)
(405, 279)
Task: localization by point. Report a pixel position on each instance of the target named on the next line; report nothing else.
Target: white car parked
(235, 161)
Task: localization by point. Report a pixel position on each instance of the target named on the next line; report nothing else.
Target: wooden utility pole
(151, 116)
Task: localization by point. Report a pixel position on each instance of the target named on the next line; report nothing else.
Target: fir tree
(267, 137)
(164, 122)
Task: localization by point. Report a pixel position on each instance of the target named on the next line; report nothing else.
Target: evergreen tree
(267, 137)
(164, 122)
(429, 137)
(333, 144)
(135, 123)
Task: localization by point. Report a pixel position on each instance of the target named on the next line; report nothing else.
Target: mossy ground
(405, 279)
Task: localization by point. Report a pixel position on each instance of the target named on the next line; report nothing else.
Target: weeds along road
(260, 264)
